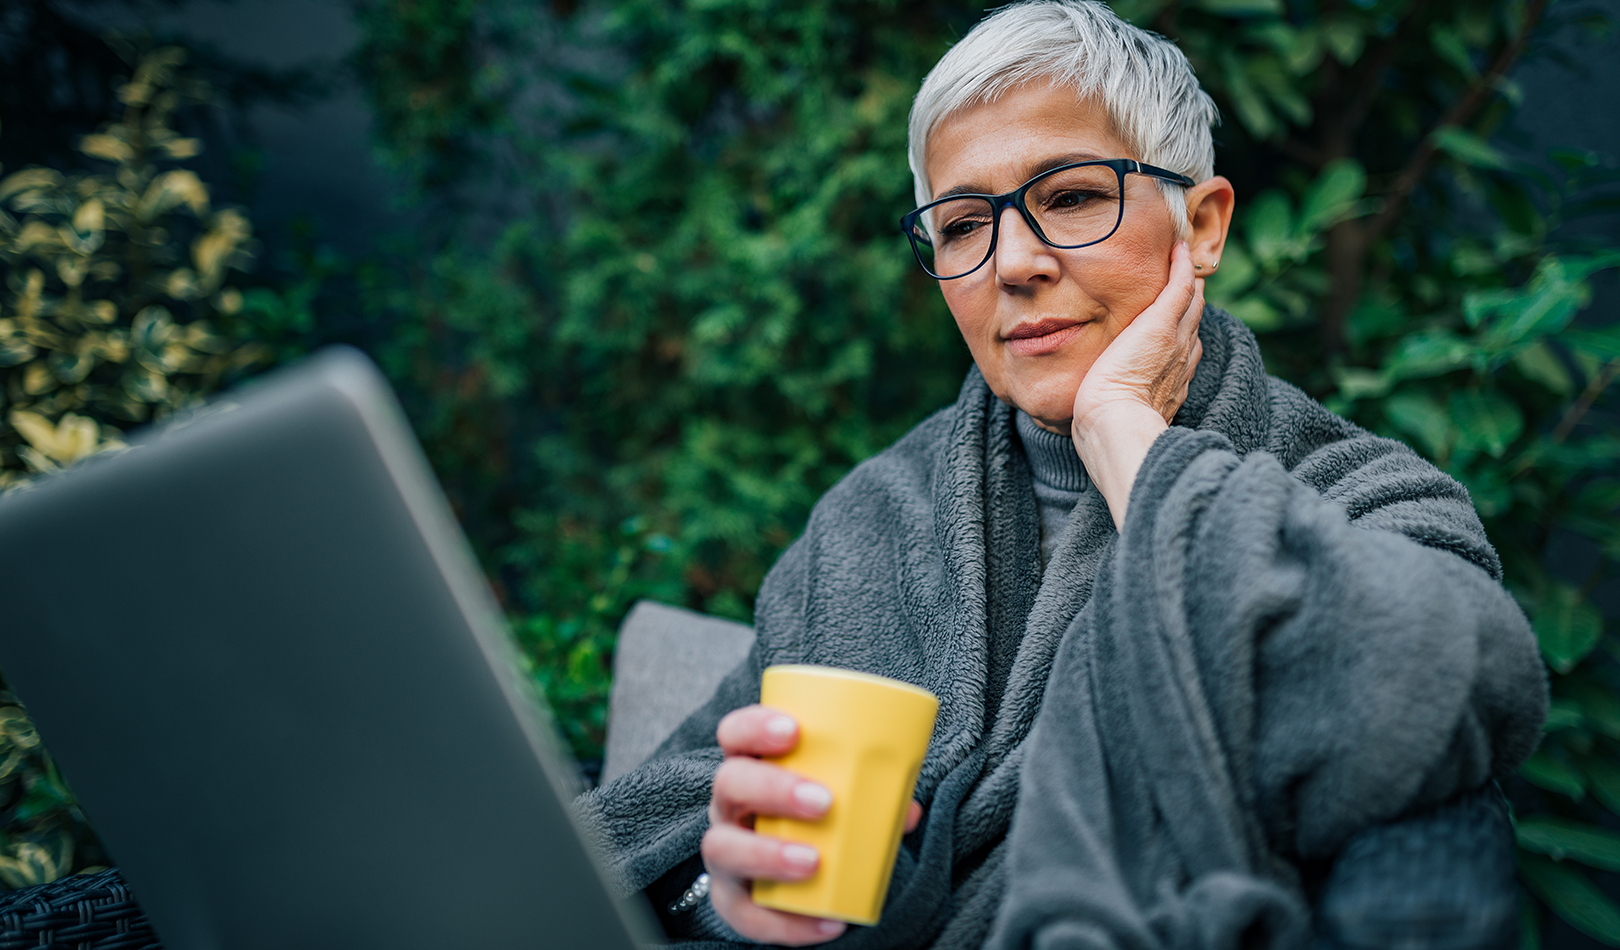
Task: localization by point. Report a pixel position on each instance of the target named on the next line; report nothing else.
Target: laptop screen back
(266, 663)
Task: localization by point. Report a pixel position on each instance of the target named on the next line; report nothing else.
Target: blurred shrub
(116, 310)
(694, 317)
(1416, 277)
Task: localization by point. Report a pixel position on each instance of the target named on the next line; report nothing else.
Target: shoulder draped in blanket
(1300, 631)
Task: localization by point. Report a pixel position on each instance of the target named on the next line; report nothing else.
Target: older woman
(1189, 629)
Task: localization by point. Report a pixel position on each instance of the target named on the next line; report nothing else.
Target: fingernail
(831, 928)
(801, 854)
(812, 796)
(780, 726)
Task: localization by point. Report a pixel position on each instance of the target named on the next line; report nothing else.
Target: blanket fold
(1301, 631)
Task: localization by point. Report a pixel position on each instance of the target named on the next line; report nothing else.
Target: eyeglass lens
(1072, 207)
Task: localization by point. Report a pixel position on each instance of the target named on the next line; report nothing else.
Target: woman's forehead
(1028, 130)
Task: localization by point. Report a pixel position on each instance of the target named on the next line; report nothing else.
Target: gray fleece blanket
(1300, 632)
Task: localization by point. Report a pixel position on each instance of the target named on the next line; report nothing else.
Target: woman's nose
(1021, 256)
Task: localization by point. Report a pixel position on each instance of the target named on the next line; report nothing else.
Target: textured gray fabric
(1300, 634)
(666, 662)
(1056, 475)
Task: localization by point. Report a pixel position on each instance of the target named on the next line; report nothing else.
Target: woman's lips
(1038, 339)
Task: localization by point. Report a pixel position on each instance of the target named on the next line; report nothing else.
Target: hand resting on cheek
(1133, 390)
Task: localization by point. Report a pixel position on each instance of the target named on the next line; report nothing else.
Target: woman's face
(1036, 317)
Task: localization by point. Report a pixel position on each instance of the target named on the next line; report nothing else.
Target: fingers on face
(744, 786)
(758, 731)
(731, 901)
(1181, 290)
(1191, 316)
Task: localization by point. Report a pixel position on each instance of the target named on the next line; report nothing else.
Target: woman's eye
(1071, 199)
(960, 228)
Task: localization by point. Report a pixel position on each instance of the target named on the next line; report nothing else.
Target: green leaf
(1451, 48)
(1486, 420)
(1246, 102)
(1540, 364)
(1429, 354)
(1357, 383)
(1596, 702)
(1567, 627)
(1488, 488)
(1582, 266)
(1546, 305)
(1558, 838)
(1236, 273)
(1553, 774)
(1468, 259)
(1468, 148)
(1529, 926)
(1573, 897)
(43, 797)
(1418, 415)
(1301, 50)
(1516, 208)
(1270, 227)
(1257, 314)
(1285, 95)
(1604, 777)
(1344, 38)
(1331, 196)
(1602, 343)
(1574, 159)
(1562, 714)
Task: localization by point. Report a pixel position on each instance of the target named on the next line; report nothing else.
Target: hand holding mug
(734, 855)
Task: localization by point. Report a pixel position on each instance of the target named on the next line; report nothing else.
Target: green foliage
(42, 833)
(700, 321)
(110, 283)
(1427, 266)
(104, 321)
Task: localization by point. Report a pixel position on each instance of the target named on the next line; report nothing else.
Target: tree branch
(1366, 80)
(1583, 405)
(1461, 111)
(1349, 241)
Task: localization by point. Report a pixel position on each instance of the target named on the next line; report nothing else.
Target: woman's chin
(1047, 397)
(1052, 414)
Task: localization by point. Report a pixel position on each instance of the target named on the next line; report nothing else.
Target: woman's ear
(1209, 215)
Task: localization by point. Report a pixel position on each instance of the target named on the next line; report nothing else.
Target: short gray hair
(1144, 83)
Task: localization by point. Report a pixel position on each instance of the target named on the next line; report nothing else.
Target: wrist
(1112, 426)
(1113, 440)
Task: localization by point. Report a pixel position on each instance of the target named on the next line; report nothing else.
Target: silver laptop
(263, 657)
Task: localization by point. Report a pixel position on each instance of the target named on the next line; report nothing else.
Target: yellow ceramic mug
(863, 737)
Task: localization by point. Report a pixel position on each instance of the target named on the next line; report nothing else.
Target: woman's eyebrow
(1044, 165)
(1047, 165)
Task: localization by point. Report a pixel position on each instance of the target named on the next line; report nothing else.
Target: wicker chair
(1442, 880)
(82, 912)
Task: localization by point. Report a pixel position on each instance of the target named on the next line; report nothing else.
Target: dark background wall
(307, 163)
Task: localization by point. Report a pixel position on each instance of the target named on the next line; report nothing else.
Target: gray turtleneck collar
(1052, 458)
(1059, 478)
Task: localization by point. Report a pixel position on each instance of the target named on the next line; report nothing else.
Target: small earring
(1198, 267)
(1215, 265)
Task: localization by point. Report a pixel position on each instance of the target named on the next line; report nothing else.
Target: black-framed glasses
(1070, 206)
